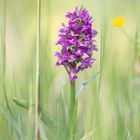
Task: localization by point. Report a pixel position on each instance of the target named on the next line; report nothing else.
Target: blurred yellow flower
(118, 22)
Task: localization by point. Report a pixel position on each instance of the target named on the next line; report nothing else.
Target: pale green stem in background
(4, 55)
(126, 34)
(30, 116)
(101, 61)
(37, 117)
(73, 110)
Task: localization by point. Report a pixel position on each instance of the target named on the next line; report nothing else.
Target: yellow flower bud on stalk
(118, 22)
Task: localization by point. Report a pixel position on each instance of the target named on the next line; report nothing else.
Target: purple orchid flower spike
(77, 43)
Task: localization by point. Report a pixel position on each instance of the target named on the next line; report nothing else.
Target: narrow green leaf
(129, 137)
(12, 123)
(86, 137)
(45, 117)
(21, 103)
(85, 82)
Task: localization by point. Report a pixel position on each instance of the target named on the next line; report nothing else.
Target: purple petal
(73, 76)
(94, 32)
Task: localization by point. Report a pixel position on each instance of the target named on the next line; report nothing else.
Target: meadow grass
(108, 106)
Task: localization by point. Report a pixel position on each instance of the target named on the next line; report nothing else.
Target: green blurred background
(108, 107)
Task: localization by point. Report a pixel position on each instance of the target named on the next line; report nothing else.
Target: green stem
(101, 61)
(4, 51)
(37, 117)
(4, 56)
(73, 110)
(126, 34)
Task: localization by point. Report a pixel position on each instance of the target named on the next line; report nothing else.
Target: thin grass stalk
(30, 110)
(101, 61)
(37, 117)
(48, 49)
(4, 56)
(48, 30)
(4, 50)
(126, 34)
(73, 110)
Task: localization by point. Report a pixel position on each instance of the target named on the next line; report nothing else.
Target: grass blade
(85, 82)
(12, 123)
(45, 117)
